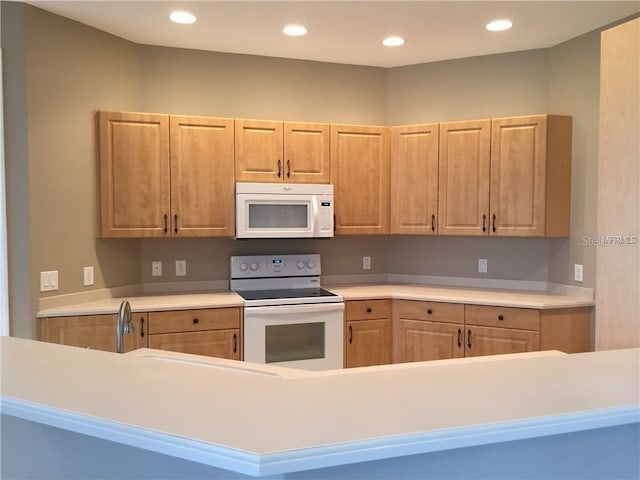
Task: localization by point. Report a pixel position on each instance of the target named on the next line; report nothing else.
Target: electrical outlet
(48, 281)
(578, 271)
(181, 268)
(482, 265)
(366, 263)
(156, 269)
(87, 274)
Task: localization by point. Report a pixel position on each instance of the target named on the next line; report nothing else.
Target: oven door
(276, 216)
(309, 337)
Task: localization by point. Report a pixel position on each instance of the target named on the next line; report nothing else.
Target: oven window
(291, 342)
(278, 215)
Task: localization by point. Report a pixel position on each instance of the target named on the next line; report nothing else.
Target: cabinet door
(306, 153)
(94, 331)
(258, 154)
(360, 175)
(368, 342)
(212, 343)
(493, 341)
(414, 179)
(463, 201)
(202, 177)
(417, 340)
(134, 174)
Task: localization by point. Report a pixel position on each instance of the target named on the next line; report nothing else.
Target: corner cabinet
(97, 332)
(414, 179)
(165, 176)
(367, 333)
(360, 176)
(277, 152)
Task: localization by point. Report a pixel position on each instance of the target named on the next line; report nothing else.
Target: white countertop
(477, 296)
(207, 410)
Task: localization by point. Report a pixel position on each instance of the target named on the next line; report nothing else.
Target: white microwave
(284, 210)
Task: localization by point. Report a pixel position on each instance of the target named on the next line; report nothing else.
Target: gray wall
(57, 72)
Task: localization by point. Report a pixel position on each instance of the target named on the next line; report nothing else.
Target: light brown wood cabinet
(97, 332)
(414, 179)
(435, 331)
(367, 333)
(165, 176)
(282, 152)
(506, 177)
(212, 332)
(360, 176)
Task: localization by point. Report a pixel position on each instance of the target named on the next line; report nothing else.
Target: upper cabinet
(414, 179)
(165, 176)
(360, 176)
(281, 152)
(465, 159)
(531, 176)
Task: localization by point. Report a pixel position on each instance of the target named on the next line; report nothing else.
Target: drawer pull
(459, 338)
(141, 327)
(235, 343)
(500, 317)
(196, 321)
(350, 334)
(469, 338)
(369, 310)
(429, 312)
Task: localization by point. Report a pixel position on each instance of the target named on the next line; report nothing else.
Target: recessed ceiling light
(393, 41)
(499, 25)
(294, 30)
(182, 17)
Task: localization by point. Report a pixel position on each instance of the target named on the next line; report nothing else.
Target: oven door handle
(277, 310)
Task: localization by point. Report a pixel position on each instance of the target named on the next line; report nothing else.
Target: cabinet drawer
(194, 320)
(430, 311)
(505, 317)
(367, 309)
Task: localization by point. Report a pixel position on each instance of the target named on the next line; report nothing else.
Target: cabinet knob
(429, 312)
(368, 309)
(500, 317)
(196, 321)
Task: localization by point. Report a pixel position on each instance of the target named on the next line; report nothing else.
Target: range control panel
(274, 266)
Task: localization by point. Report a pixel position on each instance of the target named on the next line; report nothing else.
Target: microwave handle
(316, 218)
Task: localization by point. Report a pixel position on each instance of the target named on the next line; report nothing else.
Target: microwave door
(272, 216)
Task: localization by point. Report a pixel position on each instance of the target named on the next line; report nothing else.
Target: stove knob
(311, 264)
(254, 267)
(243, 267)
(300, 265)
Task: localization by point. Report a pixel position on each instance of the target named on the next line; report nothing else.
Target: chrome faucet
(124, 325)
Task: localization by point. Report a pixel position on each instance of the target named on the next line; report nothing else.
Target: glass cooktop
(286, 293)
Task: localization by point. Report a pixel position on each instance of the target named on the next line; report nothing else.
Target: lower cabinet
(212, 332)
(367, 333)
(93, 331)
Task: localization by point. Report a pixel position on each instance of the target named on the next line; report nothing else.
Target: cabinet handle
(350, 334)
(166, 218)
(235, 343)
(484, 223)
(141, 327)
(469, 338)
(368, 309)
(196, 321)
(500, 317)
(288, 168)
(279, 168)
(494, 222)
(433, 222)
(175, 223)
(429, 312)
(459, 338)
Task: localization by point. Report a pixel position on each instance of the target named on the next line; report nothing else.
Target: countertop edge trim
(324, 456)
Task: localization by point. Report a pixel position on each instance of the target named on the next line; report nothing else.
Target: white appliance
(289, 319)
(284, 210)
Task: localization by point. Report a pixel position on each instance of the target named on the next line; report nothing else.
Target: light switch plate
(87, 275)
(156, 269)
(181, 268)
(49, 281)
(482, 265)
(578, 271)
(366, 263)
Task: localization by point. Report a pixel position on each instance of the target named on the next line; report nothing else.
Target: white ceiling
(349, 32)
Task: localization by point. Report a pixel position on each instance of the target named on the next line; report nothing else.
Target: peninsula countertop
(478, 296)
(206, 410)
